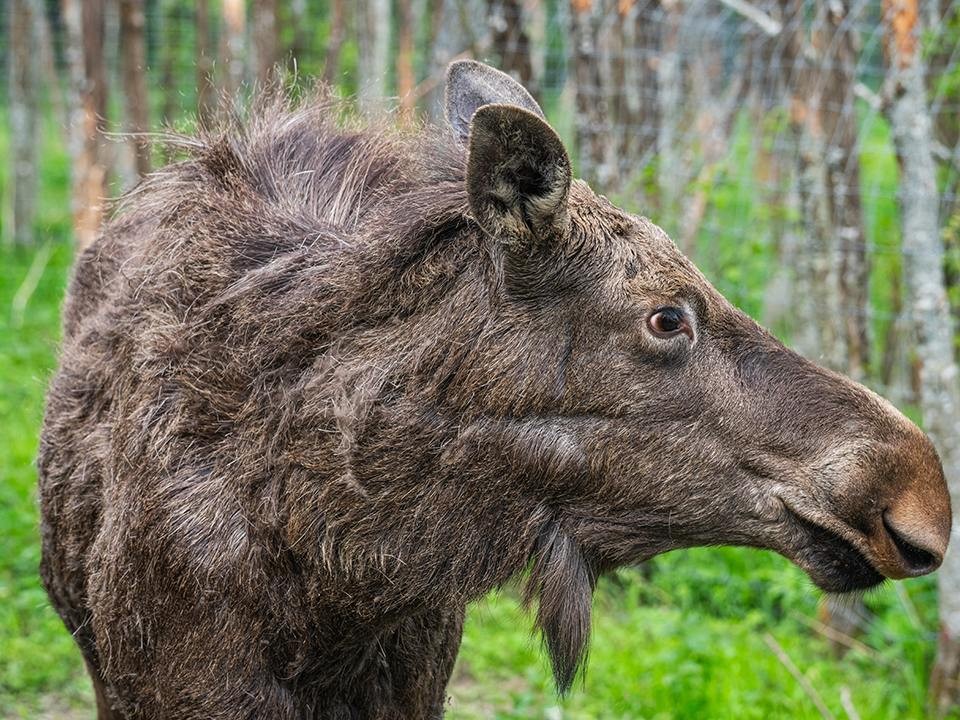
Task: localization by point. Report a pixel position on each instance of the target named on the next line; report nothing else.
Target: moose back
(321, 387)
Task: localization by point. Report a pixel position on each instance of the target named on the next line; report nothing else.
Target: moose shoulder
(320, 388)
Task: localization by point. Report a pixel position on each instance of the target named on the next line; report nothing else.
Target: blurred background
(804, 152)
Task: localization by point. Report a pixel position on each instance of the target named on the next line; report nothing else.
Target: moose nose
(913, 530)
(918, 550)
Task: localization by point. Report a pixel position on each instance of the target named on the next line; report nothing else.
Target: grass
(691, 640)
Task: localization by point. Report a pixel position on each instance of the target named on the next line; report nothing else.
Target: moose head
(657, 415)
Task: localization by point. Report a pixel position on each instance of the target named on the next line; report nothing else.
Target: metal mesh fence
(756, 132)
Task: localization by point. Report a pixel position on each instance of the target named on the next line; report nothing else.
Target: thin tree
(265, 39)
(24, 28)
(615, 51)
(206, 92)
(406, 77)
(133, 64)
(84, 23)
(821, 334)
(931, 321)
(338, 21)
(510, 40)
(373, 43)
(232, 49)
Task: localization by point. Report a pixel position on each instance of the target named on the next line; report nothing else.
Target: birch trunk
(923, 268)
(453, 24)
(84, 23)
(839, 77)
(820, 310)
(591, 109)
(265, 40)
(373, 41)
(331, 65)
(133, 60)
(232, 42)
(206, 92)
(510, 41)
(406, 80)
(669, 76)
(24, 27)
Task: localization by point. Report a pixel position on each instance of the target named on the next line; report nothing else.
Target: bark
(454, 23)
(373, 45)
(923, 268)
(670, 178)
(206, 92)
(331, 65)
(232, 44)
(821, 334)
(406, 80)
(839, 52)
(510, 41)
(591, 105)
(48, 61)
(24, 28)
(615, 56)
(133, 59)
(168, 23)
(265, 39)
(299, 39)
(84, 24)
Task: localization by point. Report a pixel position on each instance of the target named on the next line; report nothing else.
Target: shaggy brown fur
(322, 387)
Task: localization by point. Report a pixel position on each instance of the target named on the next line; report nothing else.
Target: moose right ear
(518, 176)
(471, 85)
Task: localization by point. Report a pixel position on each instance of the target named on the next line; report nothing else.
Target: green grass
(690, 641)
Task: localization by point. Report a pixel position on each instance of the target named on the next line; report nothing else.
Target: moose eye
(669, 321)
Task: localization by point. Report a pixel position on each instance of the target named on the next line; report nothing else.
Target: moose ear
(518, 175)
(471, 85)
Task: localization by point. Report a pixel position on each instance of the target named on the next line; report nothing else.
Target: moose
(324, 382)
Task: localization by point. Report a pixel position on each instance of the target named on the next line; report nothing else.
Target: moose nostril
(918, 560)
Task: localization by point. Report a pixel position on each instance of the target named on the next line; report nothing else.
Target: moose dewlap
(321, 387)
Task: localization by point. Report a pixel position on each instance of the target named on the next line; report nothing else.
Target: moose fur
(324, 384)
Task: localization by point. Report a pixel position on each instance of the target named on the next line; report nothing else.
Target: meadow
(706, 633)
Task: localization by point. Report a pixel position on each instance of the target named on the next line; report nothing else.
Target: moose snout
(910, 535)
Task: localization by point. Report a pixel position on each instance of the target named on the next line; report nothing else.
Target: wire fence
(757, 132)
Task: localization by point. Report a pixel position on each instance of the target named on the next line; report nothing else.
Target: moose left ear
(518, 175)
(471, 85)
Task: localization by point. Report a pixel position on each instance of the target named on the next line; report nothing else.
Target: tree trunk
(406, 79)
(821, 332)
(299, 18)
(838, 78)
(669, 76)
(591, 104)
(84, 22)
(24, 28)
(453, 24)
(923, 269)
(232, 42)
(331, 65)
(168, 24)
(134, 58)
(510, 41)
(373, 44)
(206, 91)
(265, 40)
(615, 53)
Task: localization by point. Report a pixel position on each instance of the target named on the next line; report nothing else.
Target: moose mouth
(832, 562)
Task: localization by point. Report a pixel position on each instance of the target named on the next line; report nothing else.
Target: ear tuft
(518, 175)
(471, 85)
